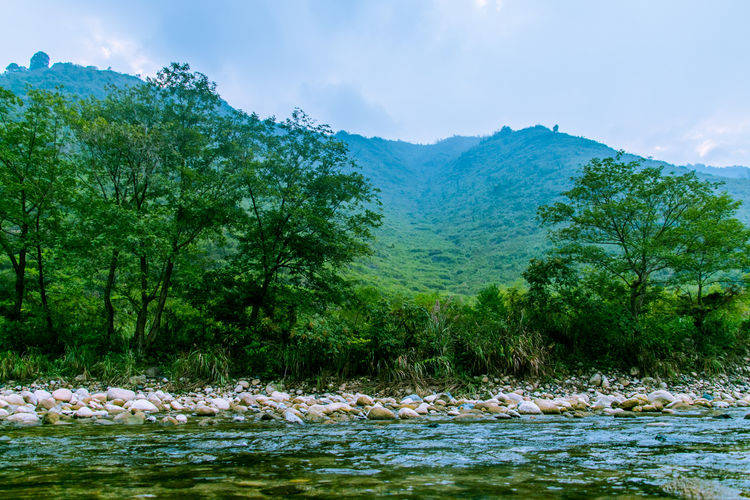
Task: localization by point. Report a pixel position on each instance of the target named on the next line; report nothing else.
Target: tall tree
(34, 178)
(624, 220)
(714, 248)
(309, 213)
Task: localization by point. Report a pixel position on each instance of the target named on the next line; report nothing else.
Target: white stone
(63, 395)
(220, 403)
(23, 418)
(528, 408)
(84, 412)
(143, 405)
(406, 413)
(119, 393)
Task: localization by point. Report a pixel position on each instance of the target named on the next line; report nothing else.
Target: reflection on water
(534, 458)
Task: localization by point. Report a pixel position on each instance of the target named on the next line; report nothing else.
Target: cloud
(344, 107)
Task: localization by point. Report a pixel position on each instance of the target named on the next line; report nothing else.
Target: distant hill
(460, 213)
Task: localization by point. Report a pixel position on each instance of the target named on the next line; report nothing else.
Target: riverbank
(157, 399)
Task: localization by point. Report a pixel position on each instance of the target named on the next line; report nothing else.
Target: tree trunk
(139, 336)
(20, 285)
(43, 288)
(167, 280)
(108, 307)
(255, 312)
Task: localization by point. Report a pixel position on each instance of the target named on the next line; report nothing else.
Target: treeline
(158, 226)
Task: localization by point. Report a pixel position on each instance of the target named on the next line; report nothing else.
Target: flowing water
(549, 456)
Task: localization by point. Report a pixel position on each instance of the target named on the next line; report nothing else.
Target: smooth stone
(406, 413)
(220, 403)
(23, 418)
(84, 412)
(130, 418)
(119, 393)
(64, 395)
(205, 411)
(528, 408)
(547, 407)
(143, 405)
(364, 400)
(292, 417)
(661, 396)
(380, 413)
(15, 399)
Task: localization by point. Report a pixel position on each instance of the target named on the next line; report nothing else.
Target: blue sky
(668, 79)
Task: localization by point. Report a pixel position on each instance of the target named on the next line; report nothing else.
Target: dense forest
(152, 224)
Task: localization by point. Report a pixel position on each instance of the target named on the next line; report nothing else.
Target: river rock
(596, 379)
(220, 403)
(114, 409)
(364, 400)
(84, 412)
(119, 393)
(15, 399)
(64, 395)
(130, 418)
(528, 408)
(380, 413)
(292, 417)
(406, 413)
(23, 418)
(547, 407)
(661, 396)
(205, 411)
(143, 405)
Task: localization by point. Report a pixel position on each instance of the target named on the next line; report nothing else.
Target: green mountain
(460, 213)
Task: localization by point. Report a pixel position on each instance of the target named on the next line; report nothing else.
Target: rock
(380, 413)
(292, 417)
(42, 394)
(23, 418)
(47, 403)
(661, 396)
(114, 409)
(205, 411)
(15, 399)
(84, 412)
(182, 419)
(220, 403)
(547, 407)
(51, 417)
(596, 379)
(130, 418)
(412, 398)
(143, 405)
(364, 400)
(698, 489)
(121, 394)
(63, 395)
(528, 408)
(406, 413)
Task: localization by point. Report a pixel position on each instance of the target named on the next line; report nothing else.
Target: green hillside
(459, 213)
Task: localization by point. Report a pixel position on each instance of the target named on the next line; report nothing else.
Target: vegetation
(153, 225)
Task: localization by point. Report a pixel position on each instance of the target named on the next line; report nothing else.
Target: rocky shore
(150, 400)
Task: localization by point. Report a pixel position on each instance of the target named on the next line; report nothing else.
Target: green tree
(309, 214)
(35, 178)
(624, 220)
(714, 249)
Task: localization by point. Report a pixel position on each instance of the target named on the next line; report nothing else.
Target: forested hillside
(458, 214)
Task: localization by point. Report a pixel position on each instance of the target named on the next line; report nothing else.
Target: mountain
(459, 213)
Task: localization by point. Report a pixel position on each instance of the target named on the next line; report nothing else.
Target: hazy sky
(668, 79)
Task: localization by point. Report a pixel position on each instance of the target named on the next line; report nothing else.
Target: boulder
(119, 393)
(380, 413)
(292, 417)
(63, 395)
(220, 403)
(23, 418)
(364, 400)
(661, 396)
(143, 405)
(84, 412)
(406, 413)
(528, 408)
(205, 411)
(547, 407)
(15, 399)
(596, 379)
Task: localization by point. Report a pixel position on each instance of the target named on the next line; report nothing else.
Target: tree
(34, 179)
(714, 249)
(625, 220)
(309, 214)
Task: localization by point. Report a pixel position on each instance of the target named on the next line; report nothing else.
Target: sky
(666, 79)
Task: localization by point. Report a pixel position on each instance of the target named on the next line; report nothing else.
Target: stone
(128, 418)
(596, 379)
(292, 417)
(23, 418)
(364, 400)
(114, 409)
(528, 408)
(15, 399)
(205, 411)
(406, 413)
(547, 407)
(143, 405)
(220, 403)
(119, 393)
(182, 419)
(63, 395)
(41, 394)
(84, 412)
(661, 396)
(380, 413)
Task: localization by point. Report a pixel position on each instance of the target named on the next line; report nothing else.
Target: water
(550, 456)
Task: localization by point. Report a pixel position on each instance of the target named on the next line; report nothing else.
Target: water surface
(549, 456)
